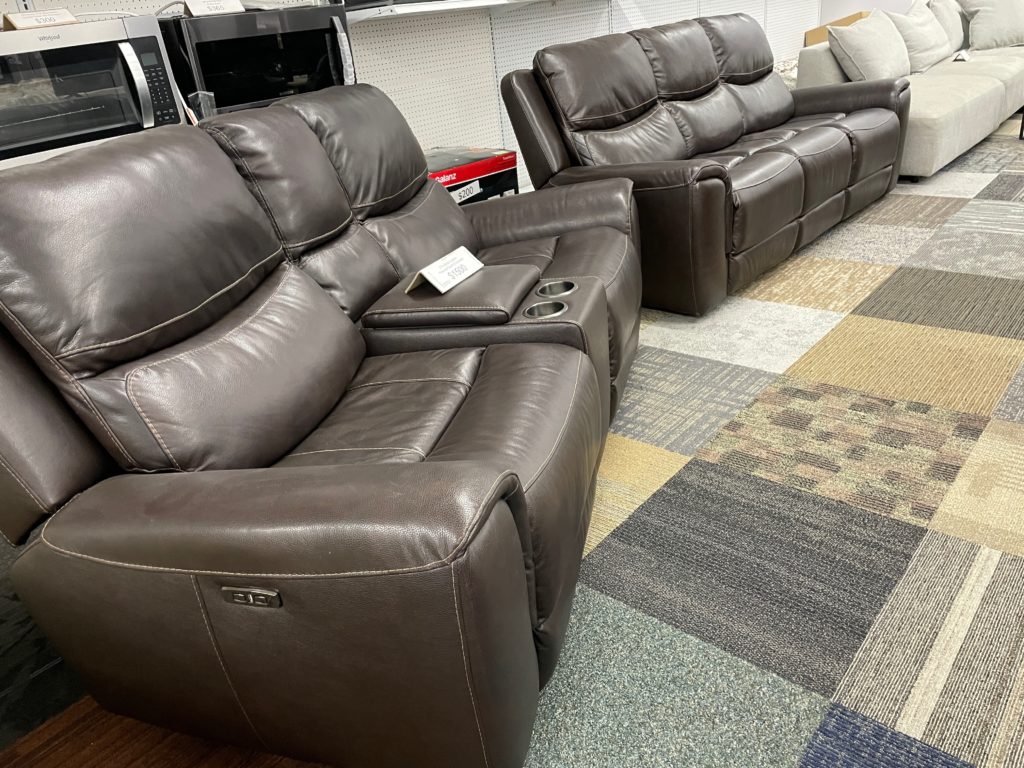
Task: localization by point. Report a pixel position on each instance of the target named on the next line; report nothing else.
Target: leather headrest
(741, 47)
(681, 57)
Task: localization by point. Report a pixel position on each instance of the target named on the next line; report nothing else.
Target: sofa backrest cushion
(746, 63)
(342, 178)
(686, 73)
(147, 254)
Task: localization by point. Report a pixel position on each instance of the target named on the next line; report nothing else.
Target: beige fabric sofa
(953, 105)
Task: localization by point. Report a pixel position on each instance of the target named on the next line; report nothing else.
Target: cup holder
(556, 288)
(546, 309)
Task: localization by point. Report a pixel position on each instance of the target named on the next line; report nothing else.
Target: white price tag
(213, 7)
(34, 19)
(464, 193)
(448, 271)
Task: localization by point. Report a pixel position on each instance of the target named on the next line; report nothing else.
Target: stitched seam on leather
(561, 115)
(420, 176)
(430, 309)
(166, 323)
(465, 665)
(766, 70)
(340, 450)
(764, 181)
(560, 321)
(325, 235)
(550, 161)
(130, 379)
(223, 665)
(342, 574)
(384, 250)
(708, 84)
(409, 211)
(614, 114)
(23, 484)
(692, 229)
(796, 154)
(74, 383)
(463, 382)
(565, 424)
(619, 128)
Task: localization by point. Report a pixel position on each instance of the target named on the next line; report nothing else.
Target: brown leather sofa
(265, 534)
(732, 172)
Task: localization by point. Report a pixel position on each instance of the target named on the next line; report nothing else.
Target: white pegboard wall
(786, 23)
(636, 14)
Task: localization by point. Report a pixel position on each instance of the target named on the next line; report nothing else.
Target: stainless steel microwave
(235, 61)
(67, 85)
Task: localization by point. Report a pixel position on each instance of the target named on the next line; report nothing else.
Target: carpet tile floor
(808, 538)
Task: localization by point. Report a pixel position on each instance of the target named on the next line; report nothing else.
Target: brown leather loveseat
(732, 172)
(268, 533)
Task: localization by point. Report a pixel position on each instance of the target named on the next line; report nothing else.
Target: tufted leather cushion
(681, 57)
(741, 47)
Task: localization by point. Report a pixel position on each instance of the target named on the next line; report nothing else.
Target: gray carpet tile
(1005, 186)
(872, 243)
(911, 211)
(679, 402)
(999, 254)
(785, 579)
(632, 692)
(996, 216)
(972, 303)
(1011, 407)
(993, 155)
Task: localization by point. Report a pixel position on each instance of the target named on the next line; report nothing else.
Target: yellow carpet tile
(630, 472)
(961, 371)
(986, 502)
(837, 286)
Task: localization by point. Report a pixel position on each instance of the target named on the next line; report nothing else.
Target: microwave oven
(233, 61)
(67, 85)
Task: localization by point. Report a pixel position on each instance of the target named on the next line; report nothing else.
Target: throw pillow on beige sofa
(870, 49)
(950, 17)
(927, 42)
(995, 23)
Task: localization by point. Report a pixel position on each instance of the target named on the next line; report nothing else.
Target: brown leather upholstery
(372, 218)
(309, 548)
(731, 170)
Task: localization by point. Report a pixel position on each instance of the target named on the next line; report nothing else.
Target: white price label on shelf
(462, 194)
(448, 271)
(36, 19)
(213, 7)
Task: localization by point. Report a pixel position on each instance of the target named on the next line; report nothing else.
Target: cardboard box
(820, 34)
(471, 174)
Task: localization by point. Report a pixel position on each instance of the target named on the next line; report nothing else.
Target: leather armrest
(668, 174)
(549, 212)
(487, 298)
(287, 521)
(850, 97)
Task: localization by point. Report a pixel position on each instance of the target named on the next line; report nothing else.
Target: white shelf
(432, 6)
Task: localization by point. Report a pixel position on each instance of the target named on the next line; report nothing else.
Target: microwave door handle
(348, 64)
(141, 86)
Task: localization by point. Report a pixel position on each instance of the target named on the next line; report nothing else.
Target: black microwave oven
(68, 85)
(233, 61)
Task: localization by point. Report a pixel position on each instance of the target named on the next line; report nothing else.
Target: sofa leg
(910, 179)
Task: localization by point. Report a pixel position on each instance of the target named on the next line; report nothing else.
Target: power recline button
(252, 597)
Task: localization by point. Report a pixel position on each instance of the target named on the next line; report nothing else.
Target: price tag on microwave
(448, 271)
(35, 19)
(213, 7)
(464, 193)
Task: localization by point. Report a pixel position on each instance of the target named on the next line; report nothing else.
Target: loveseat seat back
(178, 334)
(664, 93)
(342, 178)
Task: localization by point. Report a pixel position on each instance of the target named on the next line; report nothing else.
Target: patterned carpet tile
(837, 286)
(911, 211)
(1005, 186)
(1011, 406)
(995, 154)
(972, 303)
(944, 661)
(854, 240)
(631, 692)
(678, 402)
(986, 503)
(947, 184)
(780, 336)
(1000, 254)
(786, 580)
(891, 457)
(848, 739)
(630, 472)
(958, 371)
(997, 216)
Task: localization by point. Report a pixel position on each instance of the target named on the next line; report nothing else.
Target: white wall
(836, 9)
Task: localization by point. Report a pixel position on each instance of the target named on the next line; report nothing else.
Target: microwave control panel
(165, 109)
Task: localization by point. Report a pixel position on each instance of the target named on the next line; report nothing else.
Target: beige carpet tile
(837, 286)
(997, 216)
(1011, 406)
(630, 472)
(873, 243)
(986, 503)
(959, 371)
(911, 211)
(1000, 254)
(947, 184)
(890, 457)
(972, 303)
(944, 660)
